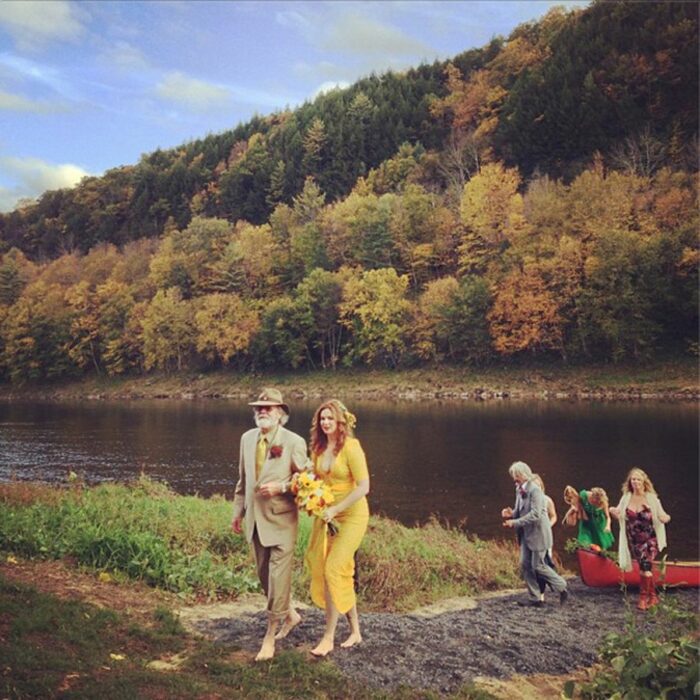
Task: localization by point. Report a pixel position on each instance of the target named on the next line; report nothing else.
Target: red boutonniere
(275, 451)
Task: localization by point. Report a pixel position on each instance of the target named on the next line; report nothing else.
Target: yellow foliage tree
(492, 212)
(225, 325)
(525, 315)
(168, 331)
(375, 309)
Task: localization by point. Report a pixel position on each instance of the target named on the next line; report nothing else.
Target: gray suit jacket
(531, 521)
(274, 517)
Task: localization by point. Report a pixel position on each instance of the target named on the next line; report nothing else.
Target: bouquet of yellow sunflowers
(313, 495)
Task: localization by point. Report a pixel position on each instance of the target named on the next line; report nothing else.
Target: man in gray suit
(269, 455)
(531, 522)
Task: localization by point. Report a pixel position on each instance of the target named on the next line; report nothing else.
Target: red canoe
(599, 571)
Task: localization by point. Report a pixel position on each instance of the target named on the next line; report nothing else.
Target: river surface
(443, 459)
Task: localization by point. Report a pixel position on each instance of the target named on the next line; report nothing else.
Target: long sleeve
(239, 493)
(538, 509)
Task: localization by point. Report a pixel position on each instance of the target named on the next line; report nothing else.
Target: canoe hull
(600, 572)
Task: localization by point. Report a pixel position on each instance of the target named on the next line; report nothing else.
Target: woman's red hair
(318, 440)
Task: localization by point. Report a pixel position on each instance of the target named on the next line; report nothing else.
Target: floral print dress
(641, 536)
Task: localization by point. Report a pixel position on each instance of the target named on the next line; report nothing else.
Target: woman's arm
(362, 489)
(357, 463)
(664, 517)
(608, 522)
(551, 511)
(615, 510)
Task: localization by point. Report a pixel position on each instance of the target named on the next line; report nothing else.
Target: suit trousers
(534, 566)
(274, 567)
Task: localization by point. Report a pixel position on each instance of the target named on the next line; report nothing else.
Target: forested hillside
(537, 195)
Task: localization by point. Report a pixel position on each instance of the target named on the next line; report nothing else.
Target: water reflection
(445, 459)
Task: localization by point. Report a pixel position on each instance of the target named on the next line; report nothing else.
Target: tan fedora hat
(270, 397)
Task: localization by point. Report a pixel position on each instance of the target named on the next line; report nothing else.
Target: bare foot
(323, 648)
(290, 622)
(267, 650)
(352, 640)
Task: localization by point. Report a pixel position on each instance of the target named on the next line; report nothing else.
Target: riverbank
(67, 633)
(184, 544)
(439, 609)
(675, 380)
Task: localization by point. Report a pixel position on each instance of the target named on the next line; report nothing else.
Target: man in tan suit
(268, 457)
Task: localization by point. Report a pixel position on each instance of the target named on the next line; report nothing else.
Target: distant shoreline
(665, 380)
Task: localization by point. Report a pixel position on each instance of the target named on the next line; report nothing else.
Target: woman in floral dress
(642, 531)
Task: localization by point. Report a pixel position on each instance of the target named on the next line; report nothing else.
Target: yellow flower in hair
(350, 418)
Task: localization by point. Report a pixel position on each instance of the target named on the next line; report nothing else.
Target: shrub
(644, 664)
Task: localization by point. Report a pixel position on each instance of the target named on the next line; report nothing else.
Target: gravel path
(497, 638)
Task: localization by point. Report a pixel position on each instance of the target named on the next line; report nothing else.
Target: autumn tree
(525, 315)
(15, 273)
(168, 331)
(376, 311)
(491, 210)
(225, 325)
(318, 299)
(35, 334)
(249, 263)
(356, 230)
(184, 258)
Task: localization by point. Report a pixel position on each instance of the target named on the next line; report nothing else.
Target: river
(444, 459)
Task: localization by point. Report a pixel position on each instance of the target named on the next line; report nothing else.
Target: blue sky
(91, 85)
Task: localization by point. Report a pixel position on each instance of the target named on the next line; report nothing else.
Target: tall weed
(185, 544)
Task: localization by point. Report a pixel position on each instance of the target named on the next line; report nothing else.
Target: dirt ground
(512, 651)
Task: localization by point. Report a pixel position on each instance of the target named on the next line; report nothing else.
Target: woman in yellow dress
(339, 460)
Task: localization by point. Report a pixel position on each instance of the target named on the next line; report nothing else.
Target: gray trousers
(532, 566)
(274, 567)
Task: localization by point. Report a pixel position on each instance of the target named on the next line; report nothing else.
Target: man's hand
(507, 513)
(509, 523)
(272, 488)
(236, 525)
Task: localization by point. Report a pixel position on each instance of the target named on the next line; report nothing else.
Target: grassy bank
(51, 647)
(675, 379)
(184, 544)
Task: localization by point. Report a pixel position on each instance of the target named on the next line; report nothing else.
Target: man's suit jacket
(530, 519)
(275, 517)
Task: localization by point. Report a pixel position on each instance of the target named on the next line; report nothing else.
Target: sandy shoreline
(672, 381)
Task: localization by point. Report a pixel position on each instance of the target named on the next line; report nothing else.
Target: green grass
(184, 544)
(143, 531)
(54, 648)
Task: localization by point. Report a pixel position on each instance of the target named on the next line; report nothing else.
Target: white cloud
(45, 75)
(293, 20)
(356, 34)
(18, 103)
(34, 176)
(192, 93)
(33, 23)
(126, 57)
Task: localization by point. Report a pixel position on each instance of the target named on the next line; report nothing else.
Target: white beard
(265, 422)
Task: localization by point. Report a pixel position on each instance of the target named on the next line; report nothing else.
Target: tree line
(395, 274)
(543, 100)
(537, 196)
